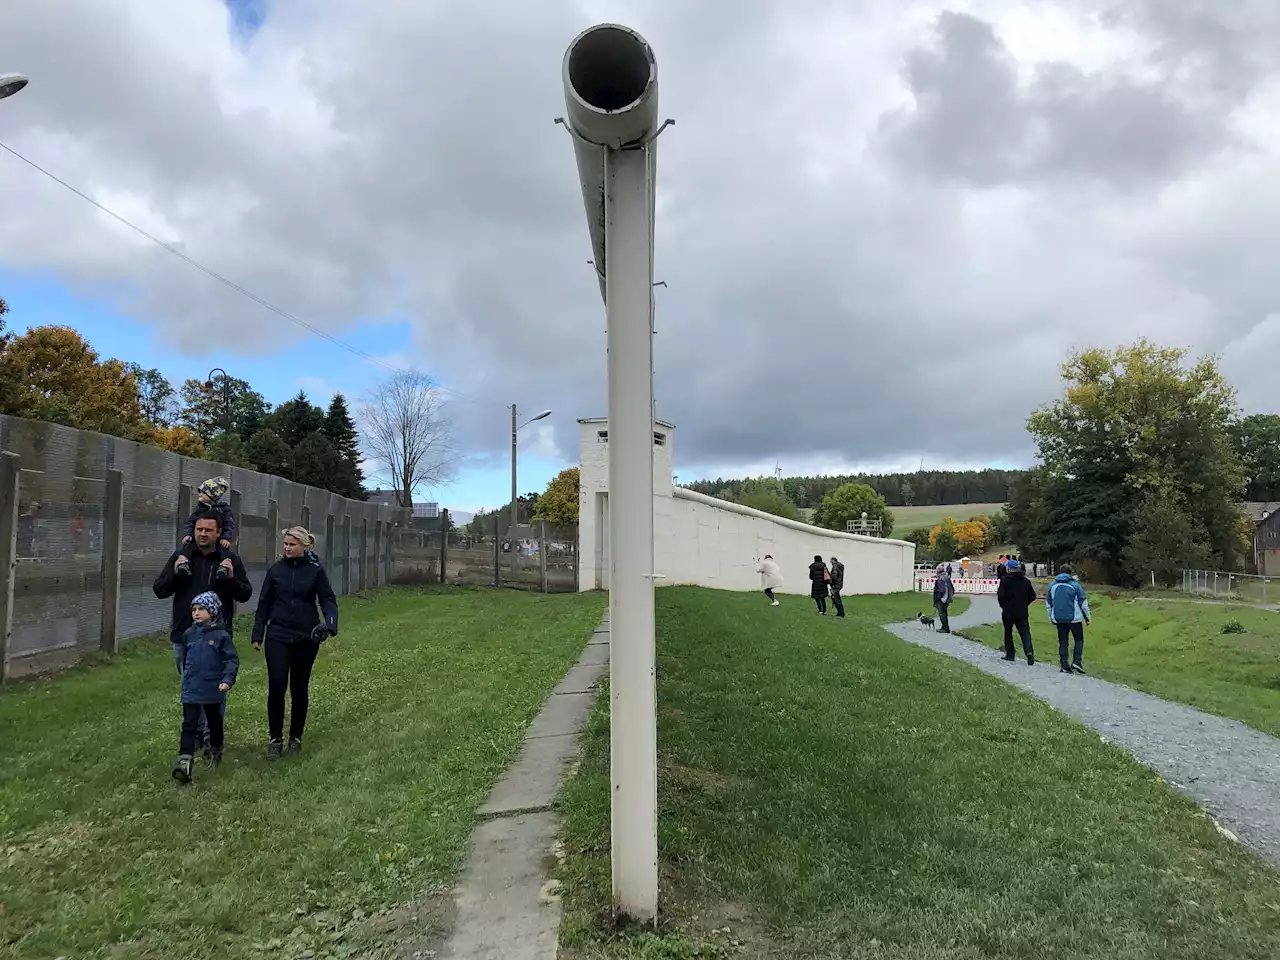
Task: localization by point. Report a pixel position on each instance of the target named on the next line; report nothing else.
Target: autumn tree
(407, 431)
(1133, 423)
(944, 541)
(181, 440)
(559, 503)
(52, 374)
(849, 502)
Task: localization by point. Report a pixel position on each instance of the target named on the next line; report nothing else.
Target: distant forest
(926, 488)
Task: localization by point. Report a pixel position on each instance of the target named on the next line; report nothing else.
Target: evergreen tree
(341, 431)
(316, 462)
(270, 454)
(296, 419)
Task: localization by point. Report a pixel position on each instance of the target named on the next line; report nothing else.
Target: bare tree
(407, 430)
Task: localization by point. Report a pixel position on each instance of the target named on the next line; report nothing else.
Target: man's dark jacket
(837, 576)
(1015, 595)
(204, 576)
(287, 604)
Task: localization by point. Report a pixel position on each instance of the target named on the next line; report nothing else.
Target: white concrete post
(610, 78)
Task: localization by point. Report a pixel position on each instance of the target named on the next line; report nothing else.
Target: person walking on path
(837, 584)
(209, 668)
(819, 584)
(1069, 612)
(207, 567)
(944, 592)
(288, 625)
(770, 577)
(1015, 596)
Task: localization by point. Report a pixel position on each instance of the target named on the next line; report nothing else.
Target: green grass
(907, 519)
(1177, 650)
(827, 790)
(416, 707)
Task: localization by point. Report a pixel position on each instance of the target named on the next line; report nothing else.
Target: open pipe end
(609, 67)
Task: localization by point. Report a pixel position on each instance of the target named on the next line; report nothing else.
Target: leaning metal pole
(611, 95)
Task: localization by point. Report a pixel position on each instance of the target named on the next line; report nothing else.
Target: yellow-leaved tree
(559, 504)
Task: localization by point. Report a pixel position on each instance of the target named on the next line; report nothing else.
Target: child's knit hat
(215, 488)
(209, 601)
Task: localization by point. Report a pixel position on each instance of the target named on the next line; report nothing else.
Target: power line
(227, 281)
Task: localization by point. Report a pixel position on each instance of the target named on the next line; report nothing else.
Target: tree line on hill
(51, 374)
(924, 488)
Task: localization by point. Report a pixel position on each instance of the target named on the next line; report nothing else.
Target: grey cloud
(975, 122)
(825, 300)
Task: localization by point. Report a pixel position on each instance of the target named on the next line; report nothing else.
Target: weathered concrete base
(506, 907)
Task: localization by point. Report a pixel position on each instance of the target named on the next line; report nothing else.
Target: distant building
(391, 498)
(1266, 528)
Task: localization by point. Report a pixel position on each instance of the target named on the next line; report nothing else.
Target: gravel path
(1230, 769)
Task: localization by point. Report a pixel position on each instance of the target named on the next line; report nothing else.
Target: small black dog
(927, 621)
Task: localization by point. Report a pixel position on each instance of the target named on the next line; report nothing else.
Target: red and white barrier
(961, 584)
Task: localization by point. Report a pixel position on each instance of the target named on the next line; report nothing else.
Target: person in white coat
(770, 577)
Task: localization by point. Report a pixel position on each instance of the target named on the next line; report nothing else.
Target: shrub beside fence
(87, 521)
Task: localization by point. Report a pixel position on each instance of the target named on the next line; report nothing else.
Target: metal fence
(87, 521)
(538, 556)
(1221, 585)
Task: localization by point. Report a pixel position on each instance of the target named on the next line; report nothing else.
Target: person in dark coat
(1015, 595)
(288, 625)
(944, 592)
(209, 668)
(836, 585)
(208, 567)
(819, 579)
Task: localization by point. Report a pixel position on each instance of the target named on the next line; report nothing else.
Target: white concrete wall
(703, 541)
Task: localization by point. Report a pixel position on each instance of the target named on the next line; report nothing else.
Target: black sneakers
(215, 758)
(1076, 668)
(183, 569)
(182, 769)
(1031, 659)
(1063, 668)
(295, 747)
(274, 749)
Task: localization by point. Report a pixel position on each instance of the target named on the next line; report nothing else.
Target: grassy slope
(830, 791)
(1177, 650)
(415, 708)
(907, 519)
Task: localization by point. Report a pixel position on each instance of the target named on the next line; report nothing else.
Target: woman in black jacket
(292, 631)
(818, 580)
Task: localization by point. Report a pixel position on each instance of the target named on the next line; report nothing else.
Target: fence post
(377, 553)
(273, 530)
(346, 547)
(112, 544)
(385, 560)
(364, 554)
(186, 503)
(542, 552)
(444, 541)
(305, 520)
(497, 553)
(328, 543)
(10, 471)
(237, 498)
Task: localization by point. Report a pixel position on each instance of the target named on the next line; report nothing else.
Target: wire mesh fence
(1221, 585)
(537, 556)
(56, 536)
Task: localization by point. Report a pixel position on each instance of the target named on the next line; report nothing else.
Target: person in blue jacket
(209, 668)
(289, 627)
(1069, 612)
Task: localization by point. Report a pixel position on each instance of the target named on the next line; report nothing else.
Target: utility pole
(514, 496)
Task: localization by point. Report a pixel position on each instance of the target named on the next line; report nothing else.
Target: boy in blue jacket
(209, 668)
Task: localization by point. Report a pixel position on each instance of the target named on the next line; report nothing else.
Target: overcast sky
(882, 225)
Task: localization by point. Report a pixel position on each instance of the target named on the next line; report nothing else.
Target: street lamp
(515, 500)
(11, 83)
(226, 406)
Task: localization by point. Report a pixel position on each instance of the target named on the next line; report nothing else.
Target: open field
(1176, 649)
(416, 706)
(907, 519)
(827, 790)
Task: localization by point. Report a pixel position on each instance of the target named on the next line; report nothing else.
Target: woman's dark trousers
(289, 671)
